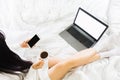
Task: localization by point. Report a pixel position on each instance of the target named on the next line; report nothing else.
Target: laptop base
(72, 41)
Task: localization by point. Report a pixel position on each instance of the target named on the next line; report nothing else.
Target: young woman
(58, 68)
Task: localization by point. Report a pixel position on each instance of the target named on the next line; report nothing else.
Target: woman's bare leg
(53, 61)
(58, 71)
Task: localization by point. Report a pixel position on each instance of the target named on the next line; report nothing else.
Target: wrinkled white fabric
(110, 53)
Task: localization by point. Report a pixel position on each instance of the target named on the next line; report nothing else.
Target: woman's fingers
(38, 65)
(24, 44)
(27, 40)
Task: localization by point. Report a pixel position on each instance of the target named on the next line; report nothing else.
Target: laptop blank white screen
(89, 24)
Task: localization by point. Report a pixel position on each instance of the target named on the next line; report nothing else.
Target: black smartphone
(34, 40)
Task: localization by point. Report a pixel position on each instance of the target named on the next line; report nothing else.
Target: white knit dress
(39, 74)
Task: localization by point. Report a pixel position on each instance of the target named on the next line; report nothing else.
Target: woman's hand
(24, 44)
(38, 65)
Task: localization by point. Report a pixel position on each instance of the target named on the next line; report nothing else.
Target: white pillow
(39, 11)
(114, 16)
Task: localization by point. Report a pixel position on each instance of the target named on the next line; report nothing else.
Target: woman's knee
(65, 64)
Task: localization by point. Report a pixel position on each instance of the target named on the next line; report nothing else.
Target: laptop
(86, 30)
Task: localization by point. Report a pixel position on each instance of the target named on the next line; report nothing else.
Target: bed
(21, 19)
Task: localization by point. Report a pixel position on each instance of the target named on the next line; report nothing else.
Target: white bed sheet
(21, 19)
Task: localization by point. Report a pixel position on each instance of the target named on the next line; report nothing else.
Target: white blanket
(21, 19)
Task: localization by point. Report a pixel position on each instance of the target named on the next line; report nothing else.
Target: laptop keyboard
(80, 36)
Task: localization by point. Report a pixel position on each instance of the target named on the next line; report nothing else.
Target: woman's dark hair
(10, 60)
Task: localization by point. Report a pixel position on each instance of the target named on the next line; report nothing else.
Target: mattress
(21, 19)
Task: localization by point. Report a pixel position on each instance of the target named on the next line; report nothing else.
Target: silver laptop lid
(90, 24)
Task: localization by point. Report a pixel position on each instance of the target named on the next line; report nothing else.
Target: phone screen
(33, 41)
